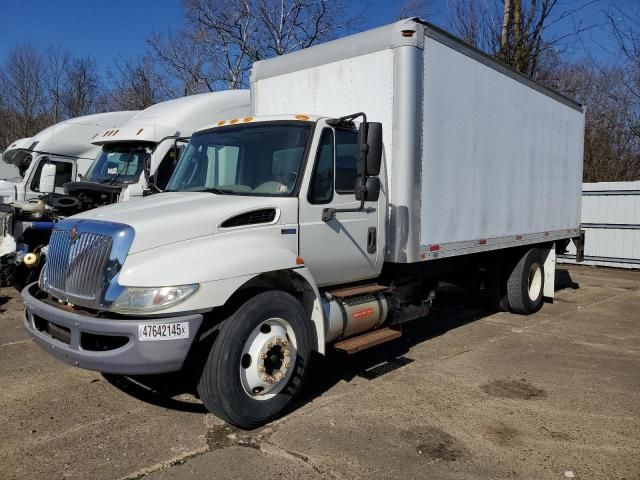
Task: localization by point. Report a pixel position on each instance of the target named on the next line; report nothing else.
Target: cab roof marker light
(234, 121)
(247, 119)
(302, 117)
(221, 123)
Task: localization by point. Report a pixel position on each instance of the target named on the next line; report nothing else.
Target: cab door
(344, 248)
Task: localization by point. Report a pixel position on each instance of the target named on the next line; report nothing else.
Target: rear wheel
(259, 360)
(525, 285)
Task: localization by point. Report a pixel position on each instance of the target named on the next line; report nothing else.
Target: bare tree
(612, 150)
(136, 84)
(521, 33)
(414, 8)
(626, 31)
(81, 89)
(23, 90)
(57, 64)
(224, 37)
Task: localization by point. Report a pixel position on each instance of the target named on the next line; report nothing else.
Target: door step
(359, 290)
(366, 340)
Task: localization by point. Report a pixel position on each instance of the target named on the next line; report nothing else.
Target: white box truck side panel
(500, 159)
(357, 84)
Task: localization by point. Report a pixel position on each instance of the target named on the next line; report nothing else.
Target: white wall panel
(611, 220)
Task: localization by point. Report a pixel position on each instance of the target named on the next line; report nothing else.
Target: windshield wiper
(217, 191)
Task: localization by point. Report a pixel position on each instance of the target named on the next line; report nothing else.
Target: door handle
(372, 241)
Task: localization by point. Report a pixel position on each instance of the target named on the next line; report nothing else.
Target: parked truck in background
(66, 144)
(25, 218)
(130, 160)
(372, 168)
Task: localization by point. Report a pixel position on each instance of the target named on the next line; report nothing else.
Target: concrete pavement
(465, 393)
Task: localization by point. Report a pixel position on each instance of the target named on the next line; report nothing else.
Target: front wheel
(259, 360)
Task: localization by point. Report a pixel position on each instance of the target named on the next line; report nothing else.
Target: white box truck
(372, 168)
(131, 159)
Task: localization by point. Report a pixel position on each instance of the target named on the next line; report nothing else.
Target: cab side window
(346, 160)
(321, 186)
(64, 174)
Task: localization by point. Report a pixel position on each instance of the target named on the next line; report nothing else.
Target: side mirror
(374, 149)
(372, 193)
(48, 178)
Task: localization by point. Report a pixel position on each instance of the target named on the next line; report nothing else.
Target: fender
(222, 264)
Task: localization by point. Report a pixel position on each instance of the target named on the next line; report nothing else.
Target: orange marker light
(234, 121)
(221, 122)
(302, 117)
(299, 261)
(247, 120)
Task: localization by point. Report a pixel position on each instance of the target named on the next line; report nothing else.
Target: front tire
(258, 361)
(525, 286)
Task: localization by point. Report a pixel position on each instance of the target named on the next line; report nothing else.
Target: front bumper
(114, 344)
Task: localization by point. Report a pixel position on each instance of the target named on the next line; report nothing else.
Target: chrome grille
(74, 268)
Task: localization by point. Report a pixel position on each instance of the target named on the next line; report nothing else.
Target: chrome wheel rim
(268, 359)
(535, 282)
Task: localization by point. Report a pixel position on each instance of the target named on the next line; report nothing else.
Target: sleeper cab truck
(66, 151)
(289, 232)
(130, 160)
(67, 144)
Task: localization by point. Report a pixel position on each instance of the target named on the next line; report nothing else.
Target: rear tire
(525, 285)
(259, 360)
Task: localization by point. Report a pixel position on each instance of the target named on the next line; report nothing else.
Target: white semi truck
(131, 159)
(372, 168)
(66, 144)
(24, 217)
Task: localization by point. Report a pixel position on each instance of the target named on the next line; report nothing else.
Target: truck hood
(173, 217)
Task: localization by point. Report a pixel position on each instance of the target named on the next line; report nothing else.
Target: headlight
(149, 299)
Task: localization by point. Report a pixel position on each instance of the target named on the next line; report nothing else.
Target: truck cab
(139, 156)
(67, 145)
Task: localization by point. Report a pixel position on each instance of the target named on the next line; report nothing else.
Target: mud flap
(550, 273)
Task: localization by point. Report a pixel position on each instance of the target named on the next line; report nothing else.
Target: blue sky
(107, 30)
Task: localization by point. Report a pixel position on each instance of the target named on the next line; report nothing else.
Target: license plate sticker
(163, 331)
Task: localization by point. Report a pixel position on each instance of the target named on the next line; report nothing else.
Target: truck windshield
(262, 159)
(120, 163)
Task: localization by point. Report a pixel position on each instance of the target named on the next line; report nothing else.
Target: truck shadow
(453, 308)
(4, 300)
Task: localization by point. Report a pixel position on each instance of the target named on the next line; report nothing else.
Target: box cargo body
(478, 156)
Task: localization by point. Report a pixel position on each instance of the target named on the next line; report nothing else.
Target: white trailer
(66, 144)
(372, 168)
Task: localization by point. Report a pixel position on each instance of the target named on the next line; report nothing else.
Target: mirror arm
(329, 213)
